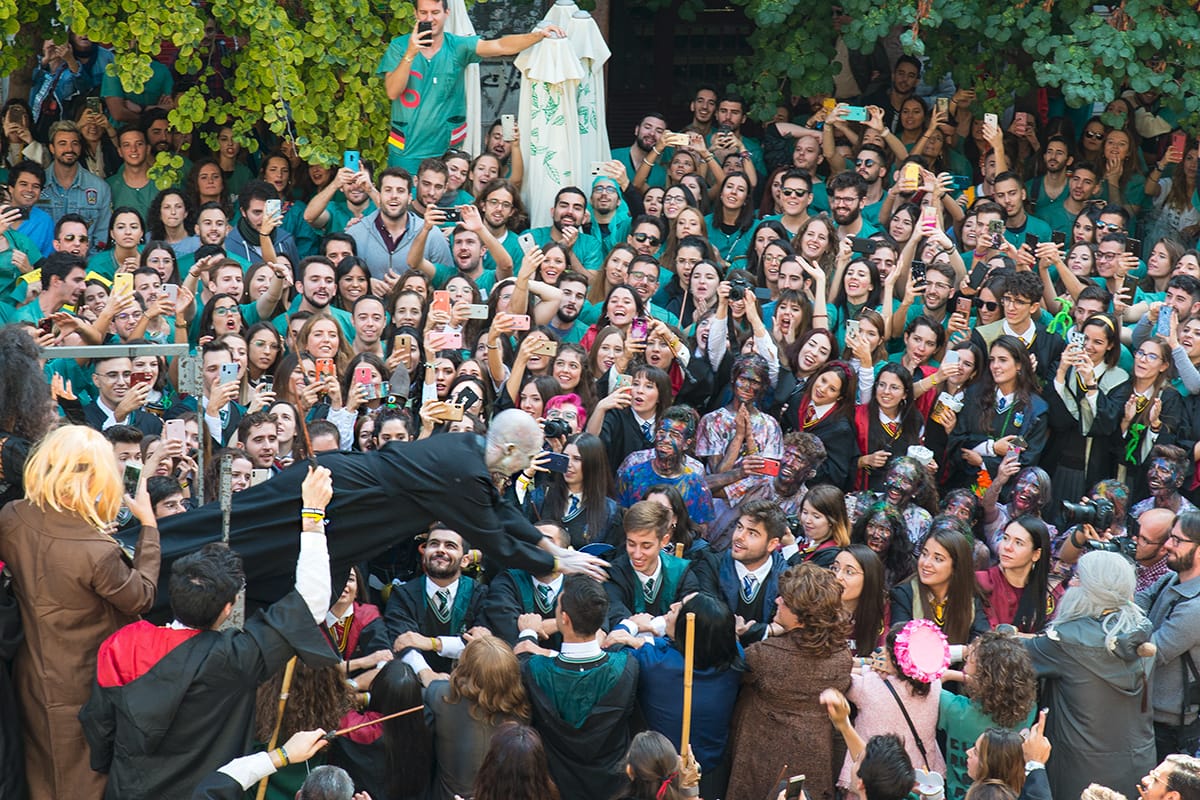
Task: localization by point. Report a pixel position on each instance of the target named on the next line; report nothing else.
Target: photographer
(1096, 523)
(1174, 612)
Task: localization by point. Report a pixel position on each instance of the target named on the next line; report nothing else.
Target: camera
(556, 428)
(1124, 545)
(738, 288)
(1098, 513)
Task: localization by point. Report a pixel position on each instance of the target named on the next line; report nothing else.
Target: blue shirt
(88, 196)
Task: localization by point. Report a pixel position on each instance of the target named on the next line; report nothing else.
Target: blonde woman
(74, 587)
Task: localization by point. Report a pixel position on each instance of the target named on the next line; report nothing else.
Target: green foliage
(314, 57)
(999, 48)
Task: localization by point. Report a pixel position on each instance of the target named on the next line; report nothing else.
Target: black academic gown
(509, 595)
(218, 786)
(12, 759)
(158, 728)
(408, 609)
(379, 498)
(585, 757)
(625, 595)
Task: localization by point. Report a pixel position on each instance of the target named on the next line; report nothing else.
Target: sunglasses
(987, 305)
(865, 162)
(647, 237)
(1093, 135)
(794, 192)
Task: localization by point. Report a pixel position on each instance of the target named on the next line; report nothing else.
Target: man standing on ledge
(425, 83)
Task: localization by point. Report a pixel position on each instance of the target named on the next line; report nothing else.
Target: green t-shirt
(159, 84)
(512, 247)
(431, 115)
(340, 214)
(963, 721)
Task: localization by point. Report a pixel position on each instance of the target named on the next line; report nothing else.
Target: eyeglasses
(865, 162)
(674, 199)
(772, 259)
(653, 240)
(224, 311)
(1175, 538)
(1093, 135)
(116, 376)
(794, 192)
(70, 237)
(502, 204)
(125, 316)
(1009, 300)
(844, 201)
(1103, 256)
(1147, 356)
(638, 277)
(604, 188)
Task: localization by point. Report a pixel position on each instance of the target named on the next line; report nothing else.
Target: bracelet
(656, 152)
(435, 644)
(493, 347)
(320, 512)
(283, 755)
(1091, 388)
(746, 154)
(711, 157)
(1156, 428)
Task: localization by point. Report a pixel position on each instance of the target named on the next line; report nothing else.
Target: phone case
(441, 301)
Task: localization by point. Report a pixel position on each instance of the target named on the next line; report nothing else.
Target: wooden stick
(679, 549)
(284, 690)
(329, 737)
(689, 664)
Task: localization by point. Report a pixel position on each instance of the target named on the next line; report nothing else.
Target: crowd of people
(786, 393)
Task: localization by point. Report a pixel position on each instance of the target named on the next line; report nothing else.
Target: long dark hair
(407, 740)
(515, 767)
(716, 636)
(845, 403)
(1031, 609)
(684, 531)
(910, 418)
(869, 613)
(1026, 385)
(899, 560)
(953, 536)
(597, 486)
(24, 403)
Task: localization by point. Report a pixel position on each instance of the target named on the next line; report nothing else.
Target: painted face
(879, 533)
(669, 441)
(961, 508)
(901, 483)
(1162, 477)
(794, 469)
(1027, 494)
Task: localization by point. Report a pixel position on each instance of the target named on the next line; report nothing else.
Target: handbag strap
(912, 728)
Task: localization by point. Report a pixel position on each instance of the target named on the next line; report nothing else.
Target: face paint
(901, 482)
(669, 442)
(879, 533)
(794, 469)
(1161, 477)
(1027, 495)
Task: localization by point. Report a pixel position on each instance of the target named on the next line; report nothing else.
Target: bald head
(514, 438)
(1154, 526)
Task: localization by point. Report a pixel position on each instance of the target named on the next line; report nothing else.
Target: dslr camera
(556, 428)
(1098, 513)
(738, 288)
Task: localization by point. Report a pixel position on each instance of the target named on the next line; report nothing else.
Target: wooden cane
(689, 663)
(284, 689)
(679, 549)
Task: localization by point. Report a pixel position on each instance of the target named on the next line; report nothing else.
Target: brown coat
(779, 719)
(74, 587)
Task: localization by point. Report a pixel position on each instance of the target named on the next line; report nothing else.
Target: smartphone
(1133, 246)
(351, 160)
(93, 104)
(770, 467)
(123, 282)
(1076, 338)
(851, 329)
(556, 462)
(450, 413)
(951, 358)
(273, 207)
(441, 301)
(854, 113)
(978, 272)
(172, 292)
(424, 28)
(1021, 122)
(1129, 285)
(942, 104)
(477, 311)
(1059, 238)
(911, 175)
(258, 476)
(546, 348)
(448, 340)
(364, 374)
(1018, 446)
(508, 127)
(1179, 141)
(918, 272)
(175, 430)
(325, 369)
(624, 380)
(597, 168)
(960, 182)
(22, 213)
(1031, 241)
(795, 788)
(527, 242)
(46, 325)
(467, 397)
(266, 383)
(229, 372)
(638, 328)
(996, 231)
(402, 343)
(1163, 328)
(991, 119)
(130, 478)
(929, 219)
(520, 322)
(962, 306)
(862, 245)
(138, 378)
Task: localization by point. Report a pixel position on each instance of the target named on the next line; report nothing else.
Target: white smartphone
(477, 311)
(851, 329)
(527, 242)
(508, 127)
(991, 119)
(273, 207)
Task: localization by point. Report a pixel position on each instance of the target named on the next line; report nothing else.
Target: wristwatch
(1030, 766)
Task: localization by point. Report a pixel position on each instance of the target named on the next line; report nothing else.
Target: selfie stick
(329, 737)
